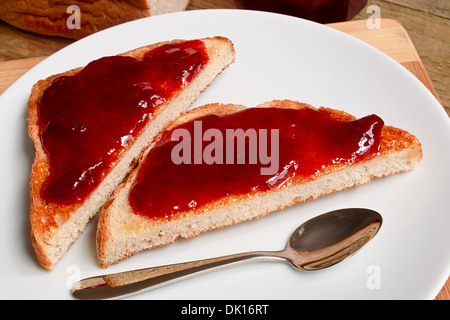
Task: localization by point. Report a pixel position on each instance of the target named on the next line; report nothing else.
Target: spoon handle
(137, 281)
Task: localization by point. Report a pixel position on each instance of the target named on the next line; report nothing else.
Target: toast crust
(126, 223)
(46, 218)
(54, 17)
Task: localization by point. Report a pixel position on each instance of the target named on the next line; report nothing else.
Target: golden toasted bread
(55, 227)
(121, 232)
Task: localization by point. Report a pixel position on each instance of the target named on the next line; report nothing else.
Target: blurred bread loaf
(59, 18)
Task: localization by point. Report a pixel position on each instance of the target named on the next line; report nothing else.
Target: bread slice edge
(121, 233)
(52, 240)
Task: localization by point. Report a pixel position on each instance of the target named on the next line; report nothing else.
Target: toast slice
(123, 231)
(56, 224)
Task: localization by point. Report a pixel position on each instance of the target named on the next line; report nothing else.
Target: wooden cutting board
(391, 38)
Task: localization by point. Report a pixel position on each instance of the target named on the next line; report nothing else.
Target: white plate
(277, 57)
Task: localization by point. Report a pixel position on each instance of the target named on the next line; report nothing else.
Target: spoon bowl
(316, 244)
(331, 237)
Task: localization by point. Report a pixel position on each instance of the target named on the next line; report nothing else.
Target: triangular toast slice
(166, 198)
(89, 125)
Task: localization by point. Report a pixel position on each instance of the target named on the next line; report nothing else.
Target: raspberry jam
(88, 119)
(308, 141)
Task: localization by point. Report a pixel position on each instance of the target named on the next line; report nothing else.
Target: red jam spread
(88, 119)
(306, 142)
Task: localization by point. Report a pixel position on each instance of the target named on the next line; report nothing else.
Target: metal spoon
(318, 243)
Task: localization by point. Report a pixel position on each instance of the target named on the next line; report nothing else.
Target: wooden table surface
(427, 23)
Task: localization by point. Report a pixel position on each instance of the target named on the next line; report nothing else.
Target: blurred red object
(322, 11)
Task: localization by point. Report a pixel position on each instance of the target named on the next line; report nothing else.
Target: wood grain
(392, 39)
(12, 70)
(439, 8)
(428, 26)
(444, 294)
